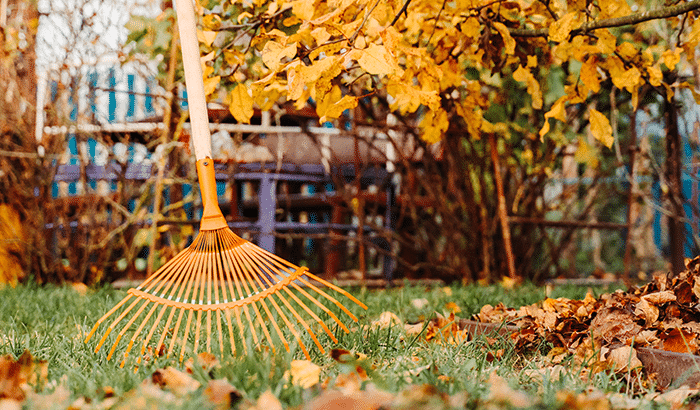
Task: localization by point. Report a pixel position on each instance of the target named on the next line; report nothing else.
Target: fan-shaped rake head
(223, 282)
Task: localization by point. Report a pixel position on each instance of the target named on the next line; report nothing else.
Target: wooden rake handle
(196, 100)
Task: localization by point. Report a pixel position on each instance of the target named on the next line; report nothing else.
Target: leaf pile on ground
(663, 314)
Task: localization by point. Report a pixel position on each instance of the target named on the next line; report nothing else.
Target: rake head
(220, 283)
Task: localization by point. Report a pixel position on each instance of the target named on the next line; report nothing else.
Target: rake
(221, 281)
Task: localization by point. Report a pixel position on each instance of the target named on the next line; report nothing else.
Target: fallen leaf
(658, 298)
(648, 311)
(176, 381)
(304, 373)
(385, 320)
(221, 393)
(623, 359)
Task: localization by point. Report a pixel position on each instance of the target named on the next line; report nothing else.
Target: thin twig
(404, 10)
(437, 20)
(352, 38)
(631, 19)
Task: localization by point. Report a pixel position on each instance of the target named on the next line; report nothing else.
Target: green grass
(51, 322)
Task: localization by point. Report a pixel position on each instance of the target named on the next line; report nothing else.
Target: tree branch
(631, 19)
(404, 10)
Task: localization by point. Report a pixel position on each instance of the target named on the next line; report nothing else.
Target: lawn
(384, 362)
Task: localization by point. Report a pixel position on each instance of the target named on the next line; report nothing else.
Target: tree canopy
(444, 61)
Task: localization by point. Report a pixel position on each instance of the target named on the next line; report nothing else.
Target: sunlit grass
(51, 323)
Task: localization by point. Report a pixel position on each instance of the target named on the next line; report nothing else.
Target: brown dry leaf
(175, 381)
(304, 373)
(221, 393)
(658, 298)
(679, 340)
(623, 359)
(646, 310)
(614, 324)
(385, 320)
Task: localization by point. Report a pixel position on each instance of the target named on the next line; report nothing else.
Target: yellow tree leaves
(600, 127)
(533, 86)
(508, 40)
(273, 53)
(377, 60)
(241, 104)
(559, 30)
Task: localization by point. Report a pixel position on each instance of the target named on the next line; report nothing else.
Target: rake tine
(294, 313)
(297, 300)
(249, 291)
(106, 315)
(126, 327)
(114, 324)
(234, 262)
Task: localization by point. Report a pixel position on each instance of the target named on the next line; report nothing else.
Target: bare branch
(631, 19)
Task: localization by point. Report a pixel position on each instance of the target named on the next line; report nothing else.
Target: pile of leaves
(663, 314)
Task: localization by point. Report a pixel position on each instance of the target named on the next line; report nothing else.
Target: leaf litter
(598, 334)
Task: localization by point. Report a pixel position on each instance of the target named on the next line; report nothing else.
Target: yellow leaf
(326, 100)
(531, 61)
(471, 28)
(508, 41)
(533, 86)
(600, 127)
(335, 110)
(304, 373)
(320, 34)
(671, 58)
(559, 30)
(589, 74)
(606, 41)
(626, 50)
(391, 38)
(434, 125)
(241, 104)
(273, 53)
(557, 112)
(304, 9)
(210, 84)
(377, 60)
(628, 80)
(407, 98)
(655, 76)
(206, 37)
